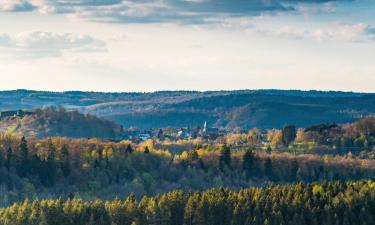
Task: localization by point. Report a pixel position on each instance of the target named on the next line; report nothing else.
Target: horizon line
(194, 91)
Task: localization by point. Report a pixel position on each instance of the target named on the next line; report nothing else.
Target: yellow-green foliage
(92, 168)
(327, 204)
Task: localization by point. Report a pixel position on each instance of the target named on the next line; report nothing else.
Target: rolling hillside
(227, 109)
(58, 122)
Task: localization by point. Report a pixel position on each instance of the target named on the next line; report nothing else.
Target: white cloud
(151, 11)
(311, 9)
(358, 32)
(15, 6)
(167, 11)
(47, 44)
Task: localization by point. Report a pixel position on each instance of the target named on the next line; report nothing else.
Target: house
(14, 113)
(144, 136)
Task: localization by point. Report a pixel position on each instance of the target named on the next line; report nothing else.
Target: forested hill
(297, 204)
(228, 109)
(58, 122)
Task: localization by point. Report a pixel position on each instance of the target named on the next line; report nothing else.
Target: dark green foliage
(268, 108)
(225, 157)
(326, 203)
(8, 161)
(294, 170)
(248, 163)
(269, 149)
(192, 156)
(23, 160)
(65, 161)
(129, 149)
(268, 170)
(92, 168)
(289, 134)
(51, 122)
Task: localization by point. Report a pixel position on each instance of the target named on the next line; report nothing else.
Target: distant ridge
(51, 122)
(226, 109)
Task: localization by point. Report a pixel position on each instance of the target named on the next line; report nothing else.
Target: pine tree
(129, 149)
(269, 149)
(268, 170)
(289, 133)
(8, 162)
(65, 161)
(49, 166)
(23, 164)
(293, 170)
(248, 163)
(192, 156)
(2, 160)
(225, 157)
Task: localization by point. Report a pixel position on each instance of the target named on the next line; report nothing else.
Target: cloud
(156, 11)
(358, 32)
(308, 9)
(370, 31)
(47, 44)
(15, 6)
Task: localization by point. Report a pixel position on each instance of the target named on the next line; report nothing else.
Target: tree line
(89, 168)
(327, 203)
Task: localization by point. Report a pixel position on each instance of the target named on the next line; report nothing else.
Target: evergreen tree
(146, 151)
(65, 161)
(192, 156)
(23, 163)
(49, 166)
(268, 170)
(248, 163)
(129, 149)
(269, 149)
(289, 133)
(2, 161)
(293, 170)
(225, 157)
(9, 159)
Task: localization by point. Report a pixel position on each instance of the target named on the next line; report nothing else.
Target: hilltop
(226, 109)
(58, 122)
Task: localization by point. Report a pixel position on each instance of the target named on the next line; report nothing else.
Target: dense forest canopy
(227, 109)
(297, 204)
(56, 163)
(52, 121)
(91, 168)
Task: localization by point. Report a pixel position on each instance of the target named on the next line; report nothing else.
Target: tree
(65, 161)
(293, 170)
(146, 151)
(269, 149)
(49, 166)
(268, 170)
(8, 161)
(192, 156)
(276, 138)
(248, 163)
(23, 163)
(289, 134)
(129, 149)
(225, 157)
(2, 163)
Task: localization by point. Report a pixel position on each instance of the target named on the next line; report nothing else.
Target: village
(138, 135)
(173, 133)
(14, 113)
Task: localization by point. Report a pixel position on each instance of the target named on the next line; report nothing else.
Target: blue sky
(115, 45)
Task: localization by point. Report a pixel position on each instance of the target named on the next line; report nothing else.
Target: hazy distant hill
(244, 108)
(57, 122)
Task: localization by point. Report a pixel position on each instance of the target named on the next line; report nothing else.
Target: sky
(144, 45)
